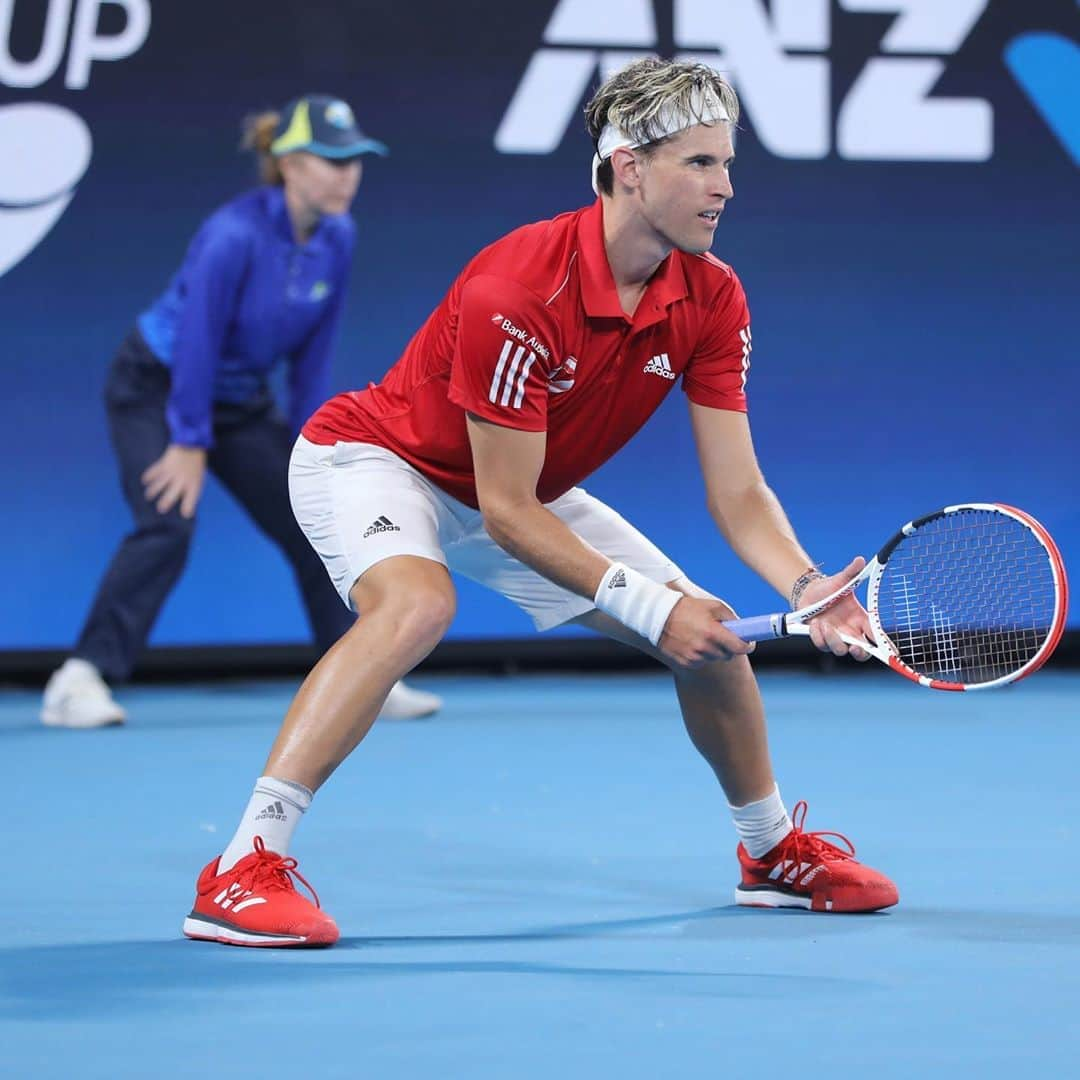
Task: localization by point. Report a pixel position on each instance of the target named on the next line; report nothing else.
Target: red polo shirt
(532, 336)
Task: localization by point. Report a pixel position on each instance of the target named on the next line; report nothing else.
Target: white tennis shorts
(359, 504)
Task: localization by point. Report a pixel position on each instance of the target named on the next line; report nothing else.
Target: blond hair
(258, 135)
(638, 97)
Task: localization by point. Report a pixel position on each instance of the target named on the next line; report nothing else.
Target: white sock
(273, 813)
(761, 825)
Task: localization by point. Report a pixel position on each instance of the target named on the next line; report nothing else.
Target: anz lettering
(777, 58)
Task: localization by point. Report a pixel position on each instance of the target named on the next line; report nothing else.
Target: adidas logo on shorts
(381, 524)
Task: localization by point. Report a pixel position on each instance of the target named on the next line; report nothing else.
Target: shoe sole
(764, 896)
(56, 719)
(202, 929)
(407, 714)
(770, 898)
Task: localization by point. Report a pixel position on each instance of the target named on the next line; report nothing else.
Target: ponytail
(258, 135)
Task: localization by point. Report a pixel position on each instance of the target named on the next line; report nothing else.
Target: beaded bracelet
(812, 574)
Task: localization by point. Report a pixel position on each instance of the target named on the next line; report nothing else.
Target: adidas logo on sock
(381, 524)
(618, 580)
(274, 812)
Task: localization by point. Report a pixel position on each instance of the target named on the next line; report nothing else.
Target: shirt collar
(279, 215)
(598, 292)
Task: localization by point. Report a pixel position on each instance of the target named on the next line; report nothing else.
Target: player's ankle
(273, 812)
(761, 824)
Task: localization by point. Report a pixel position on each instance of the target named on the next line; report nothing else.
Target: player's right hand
(694, 634)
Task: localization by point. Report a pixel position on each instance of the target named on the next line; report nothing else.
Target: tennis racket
(967, 598)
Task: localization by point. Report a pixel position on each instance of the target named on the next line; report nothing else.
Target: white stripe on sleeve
(493, 393)
(508, 386)
(521, 380)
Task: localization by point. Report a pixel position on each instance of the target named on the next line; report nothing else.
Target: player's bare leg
(407, 604)
(247, 896)
(721, 708)
(781, 866)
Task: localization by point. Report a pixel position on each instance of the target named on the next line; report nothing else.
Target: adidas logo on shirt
(660, 365)
(380, 525)
(274, 812)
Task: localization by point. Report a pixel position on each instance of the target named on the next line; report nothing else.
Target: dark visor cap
(324, 126)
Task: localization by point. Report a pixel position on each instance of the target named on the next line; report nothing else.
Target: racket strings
(969, 598)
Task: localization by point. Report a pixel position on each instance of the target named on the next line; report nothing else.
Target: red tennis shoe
(807, 871)
(256, 903)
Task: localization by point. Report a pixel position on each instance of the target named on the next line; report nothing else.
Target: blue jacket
(245, 296)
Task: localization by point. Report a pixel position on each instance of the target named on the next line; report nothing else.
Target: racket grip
(758, 628)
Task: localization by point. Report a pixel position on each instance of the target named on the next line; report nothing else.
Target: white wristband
(636, 601)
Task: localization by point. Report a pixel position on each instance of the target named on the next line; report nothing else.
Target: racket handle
(759, 627)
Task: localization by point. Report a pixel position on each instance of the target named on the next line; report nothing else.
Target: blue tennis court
(539, 882)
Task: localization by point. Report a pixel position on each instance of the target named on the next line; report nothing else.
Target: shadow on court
(1006, 927)
(81, 982)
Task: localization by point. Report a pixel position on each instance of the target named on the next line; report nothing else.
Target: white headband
(705, 108)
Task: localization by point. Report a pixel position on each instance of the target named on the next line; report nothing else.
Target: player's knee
(724, 681)
(411, 599)
(416, 614)
(423, 616)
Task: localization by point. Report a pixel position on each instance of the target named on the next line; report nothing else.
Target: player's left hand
(846, 616)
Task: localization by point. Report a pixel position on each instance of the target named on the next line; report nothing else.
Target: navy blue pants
(250, 457)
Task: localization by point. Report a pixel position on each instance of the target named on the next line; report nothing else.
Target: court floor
(539, 883)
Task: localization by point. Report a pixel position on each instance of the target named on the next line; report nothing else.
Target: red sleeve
(503, 354)
(716, 373)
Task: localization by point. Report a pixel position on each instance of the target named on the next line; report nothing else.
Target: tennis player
(551, 349)
(263, 281)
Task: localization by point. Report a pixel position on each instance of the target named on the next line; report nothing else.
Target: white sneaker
(406, 703)
(76, 697)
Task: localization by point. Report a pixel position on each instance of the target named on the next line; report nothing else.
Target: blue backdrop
(905, 224)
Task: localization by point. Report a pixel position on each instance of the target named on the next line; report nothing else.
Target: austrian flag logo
(562, 378)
